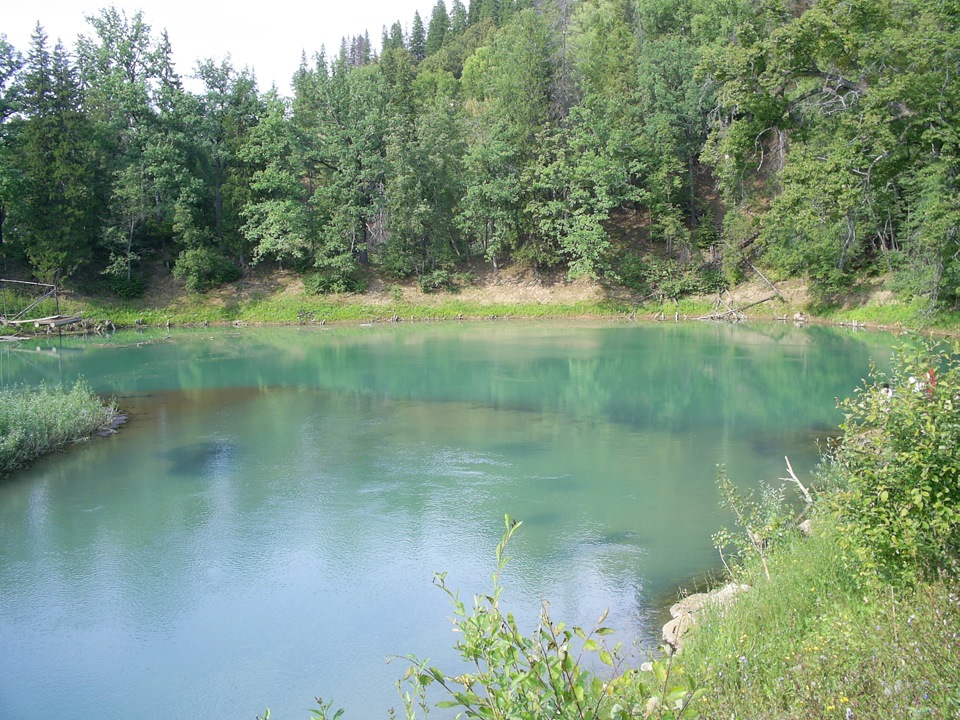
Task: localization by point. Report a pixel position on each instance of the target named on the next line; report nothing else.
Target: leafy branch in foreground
(517, 676)
(543, 675)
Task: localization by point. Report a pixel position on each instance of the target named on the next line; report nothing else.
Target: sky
(269, 37)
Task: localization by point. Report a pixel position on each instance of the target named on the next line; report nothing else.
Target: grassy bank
(818, 640)
(313, 309)
(273, 296)
(37, 421)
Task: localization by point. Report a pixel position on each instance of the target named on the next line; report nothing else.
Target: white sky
(266, 36)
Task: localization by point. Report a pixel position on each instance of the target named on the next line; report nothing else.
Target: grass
(819, 640)
(37, 421)
(909, 314)
(280, 309)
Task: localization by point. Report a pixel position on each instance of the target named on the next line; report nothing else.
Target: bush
(711, 279)
(437, 280)
(127, 288)
(329, 281)
(647, 274)
(203, 268)
(901, 505)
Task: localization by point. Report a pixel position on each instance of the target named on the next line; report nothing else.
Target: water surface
(266, 526)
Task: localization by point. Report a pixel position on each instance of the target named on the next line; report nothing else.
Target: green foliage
(519, 132)
(649, 274)
(321, 283)
(513, 675)
(765, 524)
(37, 421)
(203, 268)
(127, 288)
(279, 222)
(53, 202)
(670, 694)
(436, 280)
(901, 508)
(816, 641)
(828, 116)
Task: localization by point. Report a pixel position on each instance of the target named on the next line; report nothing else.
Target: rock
(725, 594)
(689, 604)
(674, 630)
(684, 612)
(805, 528)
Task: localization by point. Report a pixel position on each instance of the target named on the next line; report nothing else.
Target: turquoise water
(265, 528)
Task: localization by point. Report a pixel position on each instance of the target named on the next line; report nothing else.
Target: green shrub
(435, 280)
(711, 279)
(203, 268)
(765, 524)
(649, 273)
(127, 288)
(899, 455)
(330, 281)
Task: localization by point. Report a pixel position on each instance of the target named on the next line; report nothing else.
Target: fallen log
(738, 311)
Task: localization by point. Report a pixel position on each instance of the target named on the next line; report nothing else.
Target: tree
(458, 18)
(437, 30)
(279, 220)
(424, 169)
(418, 38)
(394, 40)
(834, 103)
(123, 69)
(340, 112)
(488, 10)
(56, 218)
(10, 64)
(230, 108)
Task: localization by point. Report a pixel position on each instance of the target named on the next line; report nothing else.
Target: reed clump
(35, 421)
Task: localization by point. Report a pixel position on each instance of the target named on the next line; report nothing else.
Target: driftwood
(736, 313)
(764, 278)
(803, 490)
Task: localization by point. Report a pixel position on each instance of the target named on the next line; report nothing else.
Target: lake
(266, 526)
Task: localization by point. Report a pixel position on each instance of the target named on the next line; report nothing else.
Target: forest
(665, 146)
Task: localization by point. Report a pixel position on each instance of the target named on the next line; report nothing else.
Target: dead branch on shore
(803, 490)
(735, 313)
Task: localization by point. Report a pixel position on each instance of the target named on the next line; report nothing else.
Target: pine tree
(437, 31)
(458, 18)
(418, 38)
(56, 219)
(10, 64)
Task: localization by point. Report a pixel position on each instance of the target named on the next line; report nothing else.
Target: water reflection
(265, 527)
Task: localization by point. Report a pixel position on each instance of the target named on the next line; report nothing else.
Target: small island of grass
(41, 420)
